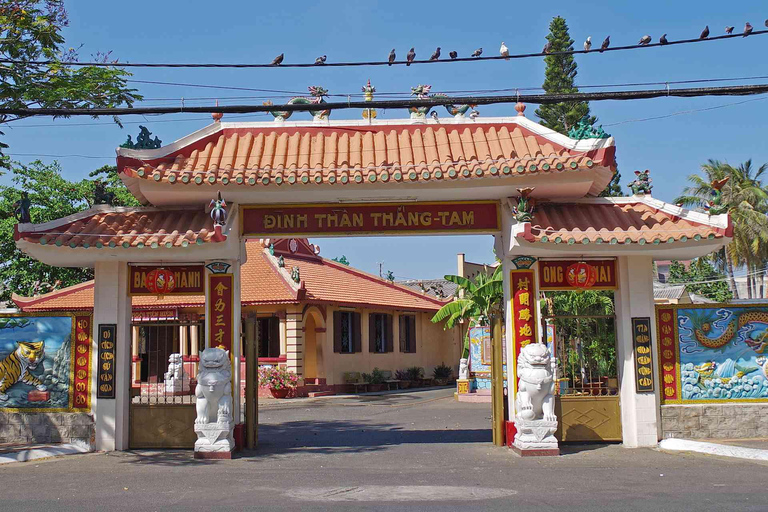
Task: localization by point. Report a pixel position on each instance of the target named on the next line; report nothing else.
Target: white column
(112, 305)
(640, 414)
(295, 340)
(193, 337)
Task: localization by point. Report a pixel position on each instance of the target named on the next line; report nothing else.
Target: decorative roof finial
(368, 90)
(525, 204)
(217, 115)
(642, 184)
(520, 107)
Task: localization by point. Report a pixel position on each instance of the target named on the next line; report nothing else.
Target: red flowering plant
(275, 377)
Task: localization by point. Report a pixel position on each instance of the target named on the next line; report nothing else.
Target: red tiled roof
(125, 227)
(267, 154)
(264, 283)
(633, 221)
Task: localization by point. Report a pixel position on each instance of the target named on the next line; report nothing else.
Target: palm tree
(746, 201)
(474, 300)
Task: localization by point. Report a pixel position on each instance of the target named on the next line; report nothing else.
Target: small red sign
(374, 218)
(219, 315)
(81, 374)
(187, 280)
(522, 283)
(577, 275)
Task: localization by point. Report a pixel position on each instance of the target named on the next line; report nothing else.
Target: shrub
(375, 377)
(442, 372)
(402, 375)
(277, 378)
(414, 373)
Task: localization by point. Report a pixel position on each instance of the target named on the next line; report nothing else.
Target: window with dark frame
(347, 343)
(408, 333)
(346, 332)
(379, 332)
(269, 336)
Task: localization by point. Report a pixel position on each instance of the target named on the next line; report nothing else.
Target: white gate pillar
(112, 305)
(640, 413)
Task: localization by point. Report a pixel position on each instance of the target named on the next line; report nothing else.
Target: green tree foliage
(108, 175)
(560, 77)
(473, 303)
(703, 277)
(745, 199)
(52, 197)
(30, 30)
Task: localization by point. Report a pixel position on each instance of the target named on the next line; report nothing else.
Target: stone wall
(713, 421)
(49, 427)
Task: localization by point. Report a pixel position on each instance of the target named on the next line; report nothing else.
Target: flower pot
(279, 393)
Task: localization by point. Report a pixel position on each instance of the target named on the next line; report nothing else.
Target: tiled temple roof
(629, 220)
(268, 153)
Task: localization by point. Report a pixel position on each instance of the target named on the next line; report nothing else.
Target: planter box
(279, 393)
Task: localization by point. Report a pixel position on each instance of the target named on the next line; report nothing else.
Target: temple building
(536, 191)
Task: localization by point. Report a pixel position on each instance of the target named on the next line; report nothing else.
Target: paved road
(416, 451)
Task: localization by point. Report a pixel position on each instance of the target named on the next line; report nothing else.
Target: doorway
(580, 329)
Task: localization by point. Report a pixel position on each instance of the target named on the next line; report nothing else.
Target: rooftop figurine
(296, 275)
(368, 90)
(21, 209)
(100, 194)
(524, 210)
(422, 93)
(143, 141)
(715, 205)
(642, 183)
(218, 210)
(584, 130)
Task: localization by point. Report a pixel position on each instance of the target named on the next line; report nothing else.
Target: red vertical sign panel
(668, 356)
(219, 314)
(81, 374)
(523, 313)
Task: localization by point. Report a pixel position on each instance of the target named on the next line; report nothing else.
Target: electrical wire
(371, 63)
(740, 90)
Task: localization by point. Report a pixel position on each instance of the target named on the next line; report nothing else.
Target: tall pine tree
(560, 77)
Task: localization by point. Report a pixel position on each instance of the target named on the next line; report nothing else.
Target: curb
(722, 450)
(25, 455)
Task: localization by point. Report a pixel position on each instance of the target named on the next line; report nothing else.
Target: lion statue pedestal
(214, 425)
(535, 419)
(176, 381)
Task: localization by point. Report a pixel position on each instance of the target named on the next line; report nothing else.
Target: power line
(368, 63)
(740, 90)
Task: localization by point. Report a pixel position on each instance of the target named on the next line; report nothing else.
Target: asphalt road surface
(408, 451)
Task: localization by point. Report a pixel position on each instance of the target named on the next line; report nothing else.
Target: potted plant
(404, 380)
(375, 380)
(442, 374)
(280, 381)
(415, 375)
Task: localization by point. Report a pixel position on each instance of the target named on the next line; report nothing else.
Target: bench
(389, 381)
(355, 379)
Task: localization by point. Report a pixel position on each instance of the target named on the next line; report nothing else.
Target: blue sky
(247, 31)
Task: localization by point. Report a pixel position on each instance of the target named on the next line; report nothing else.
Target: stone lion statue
(175, 368)
(463, 368)
(536, 370)
(214, 388)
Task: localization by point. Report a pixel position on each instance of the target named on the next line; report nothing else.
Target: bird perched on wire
(606, 43)
(320, 60)
(547, 47)
(278, 60)
(729, 30)
(477, 52)
(644, 40)
(704, 33)
(663, 39)
(392, 57)
(434, 115)
(766, 23)
(504, 51)
(747, 29)
(435, 55)
(588, 44)
(453, 54)
(411, 55)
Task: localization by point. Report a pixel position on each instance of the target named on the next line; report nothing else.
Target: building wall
(433, 347)
(713, 421)
(46, 427)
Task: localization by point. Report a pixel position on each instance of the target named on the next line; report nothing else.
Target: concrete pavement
(414, 451)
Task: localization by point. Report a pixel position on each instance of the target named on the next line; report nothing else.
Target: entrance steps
(315, 394)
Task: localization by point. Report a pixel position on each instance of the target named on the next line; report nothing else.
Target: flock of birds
(504, 51)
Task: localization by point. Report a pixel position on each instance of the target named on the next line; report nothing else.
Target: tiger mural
(16, 366)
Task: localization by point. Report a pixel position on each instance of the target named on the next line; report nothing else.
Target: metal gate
(162, 409)
(587, 400)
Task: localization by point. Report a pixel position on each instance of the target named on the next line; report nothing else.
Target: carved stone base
(177, 386)
(535, 437)
(214, 440)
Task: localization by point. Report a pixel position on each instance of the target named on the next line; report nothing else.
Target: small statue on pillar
(535, 419)
(524, 210)
(214, 425)
(176, 380)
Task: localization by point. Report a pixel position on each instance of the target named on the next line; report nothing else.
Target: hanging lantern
(581, 275)
(161, 281)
